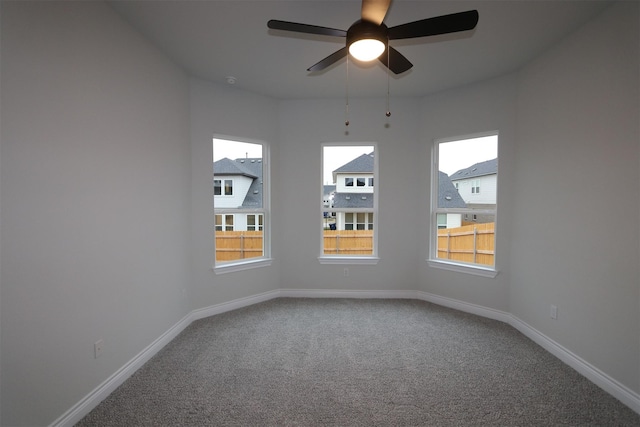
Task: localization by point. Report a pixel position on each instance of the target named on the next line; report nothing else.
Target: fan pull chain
(388, 113)
(346, 111)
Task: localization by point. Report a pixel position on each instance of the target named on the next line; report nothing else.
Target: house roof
(361, 164)
(249, 167)
(328, 189)
(448, 196)
(488, 167)
(234, 167)
(353, 200)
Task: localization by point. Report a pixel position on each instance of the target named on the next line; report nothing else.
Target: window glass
(462, 165)
(228, 223)
(240, 201)
(349, 212)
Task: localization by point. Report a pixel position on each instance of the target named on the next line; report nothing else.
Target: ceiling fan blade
(375, 10)
(397, 62)
(444, 24)
(274, 24)
(334, 57)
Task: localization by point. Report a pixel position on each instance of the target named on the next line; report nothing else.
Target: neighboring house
(237, 184)
(477, 186)
(328, 192)
(327, 195)
(448, 197)
(354, 189)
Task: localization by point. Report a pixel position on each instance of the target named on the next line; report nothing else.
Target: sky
(234, 149)
(461, 154)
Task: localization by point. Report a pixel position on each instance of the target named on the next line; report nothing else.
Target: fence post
(337, 243)
(475, 243)
(242, 246)
(448, 245)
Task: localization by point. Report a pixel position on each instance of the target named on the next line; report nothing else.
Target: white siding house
(448, 197)
(477, 184)
(355, 189)
(237, 185)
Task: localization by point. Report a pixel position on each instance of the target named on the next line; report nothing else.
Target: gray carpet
(350, 362)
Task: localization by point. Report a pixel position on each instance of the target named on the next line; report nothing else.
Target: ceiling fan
(368, 38)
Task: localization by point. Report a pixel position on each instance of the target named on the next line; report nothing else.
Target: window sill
(463, 268)
(354, 260)
(240, 266)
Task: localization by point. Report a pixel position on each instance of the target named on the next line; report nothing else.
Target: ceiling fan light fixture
(366, 49)
(366, 41)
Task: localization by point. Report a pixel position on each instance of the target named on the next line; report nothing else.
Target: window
(348, 224)
(240, 204)
(358, 221)
(459, 167)
(228, 187)
(475, 186)
(224, 222)
(254, 222)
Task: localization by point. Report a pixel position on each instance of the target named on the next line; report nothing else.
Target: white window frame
(223, 222)
(223, 187)
(257, 225)
(475, 186)
(265, 259)
(433, 260)
(350, 259)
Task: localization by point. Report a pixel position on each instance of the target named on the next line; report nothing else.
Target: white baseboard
(90, 401)
(82, 408)
(593, 374)
(340, 293)
(235, 304)
(608, 384)
(479, 310)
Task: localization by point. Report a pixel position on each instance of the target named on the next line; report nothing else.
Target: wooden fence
(470, 243)
(348, 242)
(235, 245)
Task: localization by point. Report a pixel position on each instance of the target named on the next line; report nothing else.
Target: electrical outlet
(346, 272)
(98, 347)
(553, 312)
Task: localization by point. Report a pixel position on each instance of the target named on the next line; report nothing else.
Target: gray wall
(106, 202)
(568, 199)
(304, 126)
(574, 241)
(96, 189)
(224, 110)
(484, 107)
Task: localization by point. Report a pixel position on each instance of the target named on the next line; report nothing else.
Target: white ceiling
(213, 39)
